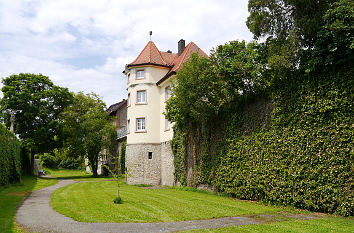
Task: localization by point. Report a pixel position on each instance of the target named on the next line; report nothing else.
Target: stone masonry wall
(167, 164)
(141, 169)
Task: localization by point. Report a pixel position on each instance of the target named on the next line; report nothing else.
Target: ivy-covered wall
(10, 157)
(292, 147)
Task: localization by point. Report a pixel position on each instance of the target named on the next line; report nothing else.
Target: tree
(87, 128)
(205, 87)
(279, 18)
(335, 44)
(36, 103)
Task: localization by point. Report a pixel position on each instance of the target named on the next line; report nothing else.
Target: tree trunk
(94, 165)
(117, 189)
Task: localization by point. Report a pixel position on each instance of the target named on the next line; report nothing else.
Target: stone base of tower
(149, 163)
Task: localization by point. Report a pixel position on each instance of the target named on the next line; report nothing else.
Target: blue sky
(85, 44)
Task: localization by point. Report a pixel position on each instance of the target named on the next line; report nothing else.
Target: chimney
(181, 46)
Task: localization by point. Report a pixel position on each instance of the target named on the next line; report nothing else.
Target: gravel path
(36, 215)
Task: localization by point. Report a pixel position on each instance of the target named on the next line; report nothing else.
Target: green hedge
(305, 159)
(10, 157)
(302, 155)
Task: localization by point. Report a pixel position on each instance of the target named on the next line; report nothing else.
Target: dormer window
(140, 74)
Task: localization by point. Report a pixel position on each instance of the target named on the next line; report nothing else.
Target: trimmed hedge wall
(10, 157)
(306, 158)
(299, 152)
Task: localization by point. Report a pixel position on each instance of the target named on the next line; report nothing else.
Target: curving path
(36, 215)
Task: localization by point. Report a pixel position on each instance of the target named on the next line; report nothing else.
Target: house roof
(150, 55)
(179, 60)
(114, 107)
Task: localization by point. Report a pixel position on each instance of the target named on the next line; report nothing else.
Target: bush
(10, 157)
(71, 163)
(303, 157)
(48, 160)
(118, 200)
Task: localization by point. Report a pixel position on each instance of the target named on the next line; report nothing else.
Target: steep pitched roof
(149, 55)
(179, 60)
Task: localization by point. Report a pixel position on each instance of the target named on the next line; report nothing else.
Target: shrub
(71, 163)
(118, 200)
(10, 157)
(303, 157)
(48, 160)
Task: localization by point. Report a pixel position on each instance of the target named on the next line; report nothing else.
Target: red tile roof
(150, 55)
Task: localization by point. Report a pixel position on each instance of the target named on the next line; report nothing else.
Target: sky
(84, 44)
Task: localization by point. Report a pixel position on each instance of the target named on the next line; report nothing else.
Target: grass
(93, 202)
(78, 175)
(12, 195)
(323, 225)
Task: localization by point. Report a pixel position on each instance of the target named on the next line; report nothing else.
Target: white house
(149, 159)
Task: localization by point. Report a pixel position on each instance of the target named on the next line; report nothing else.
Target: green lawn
(11, 197)
(324, 225)
(93, 202)
(79, 175)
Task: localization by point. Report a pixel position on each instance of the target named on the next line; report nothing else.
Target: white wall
(165, 135)
(150, 110)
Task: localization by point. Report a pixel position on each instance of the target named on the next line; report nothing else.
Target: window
(128, 100)
(167, 93)
(128, 78)
(140, 124)
(140, 74)
(141, 97)
(150, 155)
(167, 124)
(128, 126)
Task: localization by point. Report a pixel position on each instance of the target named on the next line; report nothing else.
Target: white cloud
(84, 45)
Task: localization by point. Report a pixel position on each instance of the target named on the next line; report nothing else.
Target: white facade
(151, 110)
(149, 157)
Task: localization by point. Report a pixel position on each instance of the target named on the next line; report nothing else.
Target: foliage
(279, 18)
(48, 160)
(87, 129)
(11, 197)
(71, 163)
(36, 104)
(122, 157)
(118, 200)
(335, 43)
(297, 148)
(10, 157)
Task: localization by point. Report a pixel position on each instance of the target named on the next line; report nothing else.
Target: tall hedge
(301, 155)
(306, 157)
(10, 157)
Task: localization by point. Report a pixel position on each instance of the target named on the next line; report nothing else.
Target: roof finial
(150, 35)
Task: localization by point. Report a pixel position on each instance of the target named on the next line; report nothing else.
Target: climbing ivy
(272, 121)
(10, 158)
